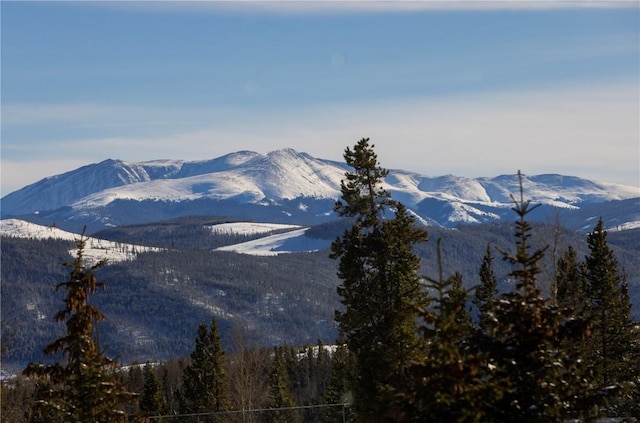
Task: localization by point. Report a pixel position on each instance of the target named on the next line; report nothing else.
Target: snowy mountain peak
(290, 186)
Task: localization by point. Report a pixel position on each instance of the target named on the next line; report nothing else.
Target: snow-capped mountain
(283, 186)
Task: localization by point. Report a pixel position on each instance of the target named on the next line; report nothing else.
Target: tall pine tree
(612, 347)
(485, 294)
(447, 383)
(151, 401)
(205, 388)
(571, 285)
(280, 401)
(545, 382)
(380, 286)
(82, 388)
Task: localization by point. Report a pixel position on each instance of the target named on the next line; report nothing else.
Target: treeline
(239, 383)
(554, 344)
(289, 299)
(84, 385)
(150, 300)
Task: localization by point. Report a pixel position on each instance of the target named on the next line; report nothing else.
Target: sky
(465, 88)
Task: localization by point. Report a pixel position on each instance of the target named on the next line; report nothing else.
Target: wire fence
(330, 413)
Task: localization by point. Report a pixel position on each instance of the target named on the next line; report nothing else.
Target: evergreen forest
(396, 322)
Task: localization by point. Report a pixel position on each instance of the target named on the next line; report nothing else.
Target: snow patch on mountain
(466, 213)
(288, 242)
(95, 249)
(624, 227)
(249, 228)
(556, 190)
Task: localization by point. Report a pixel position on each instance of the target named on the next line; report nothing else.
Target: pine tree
(486, 293)
(83, 388)
(151, 401)
(205, 388)
(322, 371)
(571, 283)
(280, 398)
(380, 286)
(338, 391)
(545, 381)
(571, 300)
(455, 303)
(612, 345)
(447, 383)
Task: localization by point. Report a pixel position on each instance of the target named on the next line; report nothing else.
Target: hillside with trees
(498, 323)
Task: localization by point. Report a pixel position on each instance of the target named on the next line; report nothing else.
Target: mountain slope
(283, 186)
(155, 302)
(95, 249)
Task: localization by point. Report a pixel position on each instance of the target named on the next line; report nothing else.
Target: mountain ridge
(293, 185)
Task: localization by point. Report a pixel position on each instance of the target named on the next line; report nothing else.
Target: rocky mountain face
(287, 186)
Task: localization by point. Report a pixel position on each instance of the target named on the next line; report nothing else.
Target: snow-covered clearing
(288, 242)
(95, 249)
(625, 226)
(249, 228)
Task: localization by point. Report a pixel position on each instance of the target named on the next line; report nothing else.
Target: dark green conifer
(545, 382)
(571, 283)
(486, 293)
(447, 383)
(339, 390)
(205, 388)
(380, 286)
(612, 346)
(455, 302)
(280, 402)
(151, 401)
(82, 388)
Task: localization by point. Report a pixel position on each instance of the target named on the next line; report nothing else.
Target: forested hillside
(151, 301)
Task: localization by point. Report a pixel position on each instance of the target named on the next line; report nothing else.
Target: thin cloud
(100, 115)
(357, 6)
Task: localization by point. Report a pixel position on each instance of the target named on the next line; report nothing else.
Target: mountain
(286, 186)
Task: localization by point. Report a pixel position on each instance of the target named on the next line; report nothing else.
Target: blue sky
(464, 88)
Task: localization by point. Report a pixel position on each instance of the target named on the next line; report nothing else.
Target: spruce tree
(486, 293)
(339, 391)
(205, 388)
(571, 283)
(447, 384)
(83, 387)
(151, 401)
(612, 347)
(280, 401)
(545, 382)
(380, 287)
(455, 302)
